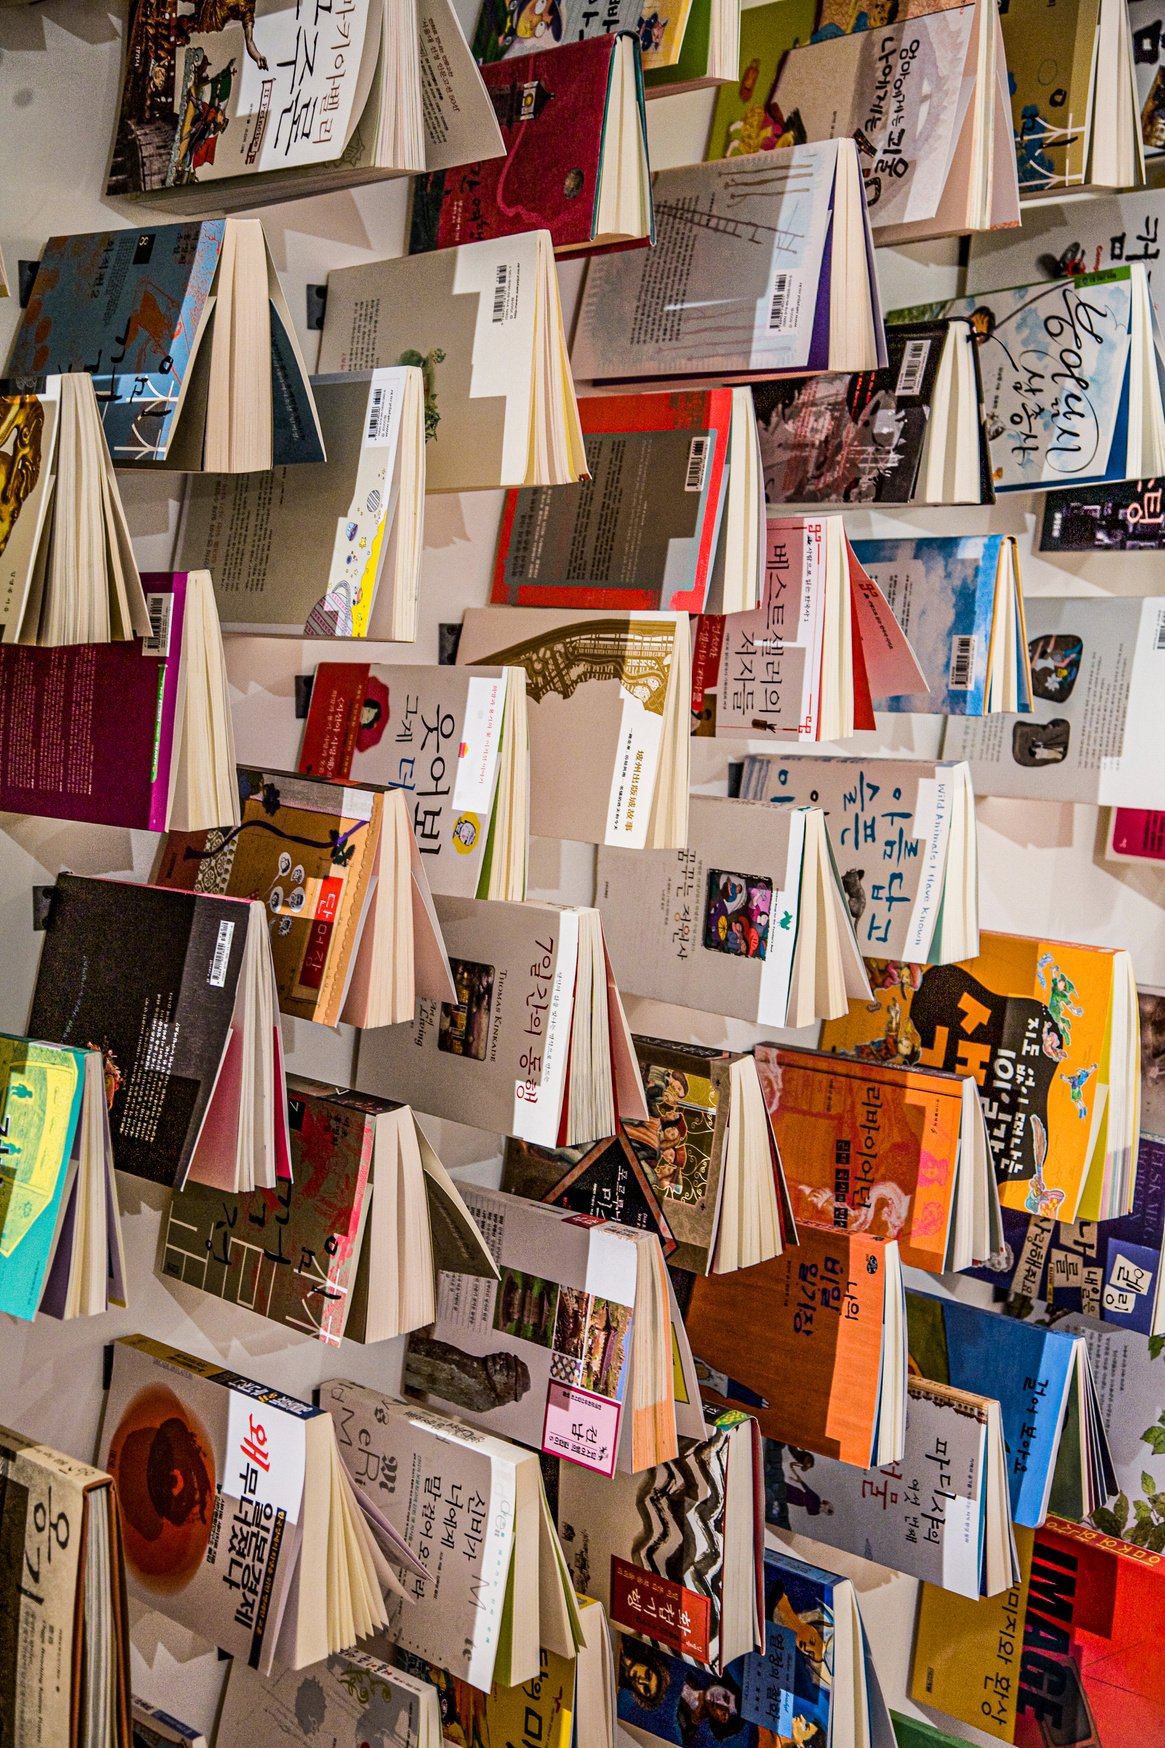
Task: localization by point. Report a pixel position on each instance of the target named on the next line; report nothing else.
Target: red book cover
(551, 107)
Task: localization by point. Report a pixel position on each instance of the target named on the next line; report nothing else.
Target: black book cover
(148, 976)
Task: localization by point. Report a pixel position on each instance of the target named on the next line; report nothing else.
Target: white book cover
(352, 1701)
(1077, 236)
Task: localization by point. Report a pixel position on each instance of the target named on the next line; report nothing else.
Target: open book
(1075, 110)
(353, 1700)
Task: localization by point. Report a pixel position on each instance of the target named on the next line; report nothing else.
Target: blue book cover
(942, 593)
(41, 1091)
(1026, 1367)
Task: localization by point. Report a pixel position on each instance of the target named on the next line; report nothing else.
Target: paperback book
(1124, 517)
(350, 1700)
(1074, 104)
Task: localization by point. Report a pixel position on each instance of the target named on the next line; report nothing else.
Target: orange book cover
(1031, 1020)
(804, 1332)
(865, 1147)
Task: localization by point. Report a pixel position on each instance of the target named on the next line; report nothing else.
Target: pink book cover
(1137, 834)
(87, 730)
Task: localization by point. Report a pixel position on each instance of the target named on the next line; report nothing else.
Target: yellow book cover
(1031, 1020)
(1049, 46)
(541, 1710)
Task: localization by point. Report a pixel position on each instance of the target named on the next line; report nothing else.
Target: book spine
(167, 605)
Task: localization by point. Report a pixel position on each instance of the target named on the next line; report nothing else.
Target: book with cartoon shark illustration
(1049, 1032)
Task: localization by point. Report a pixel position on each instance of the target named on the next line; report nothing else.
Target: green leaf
(1154, 1437)
(1148, 1485)
(1139, 1534)
(1121, 1509)
(1156, 1538)
(1142, 1512)
(1105, 1521)
(1156, 1346)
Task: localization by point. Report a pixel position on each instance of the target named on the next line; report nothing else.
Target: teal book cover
(41, 1088)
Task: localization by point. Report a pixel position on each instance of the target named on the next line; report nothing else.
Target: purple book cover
(87, 730)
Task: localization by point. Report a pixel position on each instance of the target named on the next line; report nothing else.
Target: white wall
(1041, 865)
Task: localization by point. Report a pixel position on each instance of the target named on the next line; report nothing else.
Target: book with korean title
(357, 1696)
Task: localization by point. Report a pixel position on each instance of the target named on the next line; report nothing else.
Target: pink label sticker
(582, 1427)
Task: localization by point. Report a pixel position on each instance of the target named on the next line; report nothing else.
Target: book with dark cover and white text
(1123, 517)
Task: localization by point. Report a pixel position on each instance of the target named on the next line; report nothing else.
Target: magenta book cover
(87, 730)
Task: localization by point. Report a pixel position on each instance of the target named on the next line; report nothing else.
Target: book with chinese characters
(578, 1350)
(350, 1244)
(1102, 327)
(960, 601)
(830, 1374)
(575, 134)
(67, 568)
(671, 517)
(336, 868)
(907, 432)
(60, 1228)
(353, 1700)
(454, 740)
(936, 155)
(1074, 106)
(225, 107)
(673, 1553)
(868, 1147)
(239, 1521)
(135, 733)
(331, 548)
(483, 322)
(1049, 1032)
(189, 341)
(903, 837)
(606, 708)
(942, 1514)
(1123, 517)
(769, 939)
(804, 661)
(187, 1022)
(486, 1584)
(1058, 1456)
(701, 1171)
(63, 1596)
(786, 234)
(813, 1683)
(1070, 1655)
(534, 1043)
(1097, 666)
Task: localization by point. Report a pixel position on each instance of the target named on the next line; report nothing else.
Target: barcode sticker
(914, 356)
(697, 465)
(962, 663)
(1159, 634)
(501, 291)
(161, 610)
(222, 953)
(784, 302)
(376, 407)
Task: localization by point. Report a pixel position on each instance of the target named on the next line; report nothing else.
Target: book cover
(867, 1147)
(816, 1377)
(160, 1011)
(1130, 1386)
(1068, 1655)
(1030, 1020)
(1136, 834)
(1081, 236)
(552, 111)
(941, 589)
(542, 1711)
(513, 28)
(923, 1516)
(642, 532)
(28, 440)
(435, 732)
(1126, 516)
(1050, 49)
(128, 306)
(87, 729)
(354, 1700)
(840, 439)
(609, 1180)
(41, 1095)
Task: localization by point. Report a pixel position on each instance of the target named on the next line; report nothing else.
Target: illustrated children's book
(607, 705)
(350, 1243)
(486, 1585)
(959, 601)
(830, 1375)
(869, 1147)
(575, 135)
(398, 726)
(1074, 105)
(1049, 1032)
(239, 1519)
(786, 233)
(1069, 1655)
(60, 1230)
(689, 45)
(1130, 1374)
(1097, 666)
(352, 1699)
(186, 1018)
(701, 1171)
(189, 341)
(579, 1351)
(769, 939)
(483, 322)
(671, 517)
(135, 733)
(535, 1037)
(943, 1514)
(903, 838)
(66, 1659)
(333, 547)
